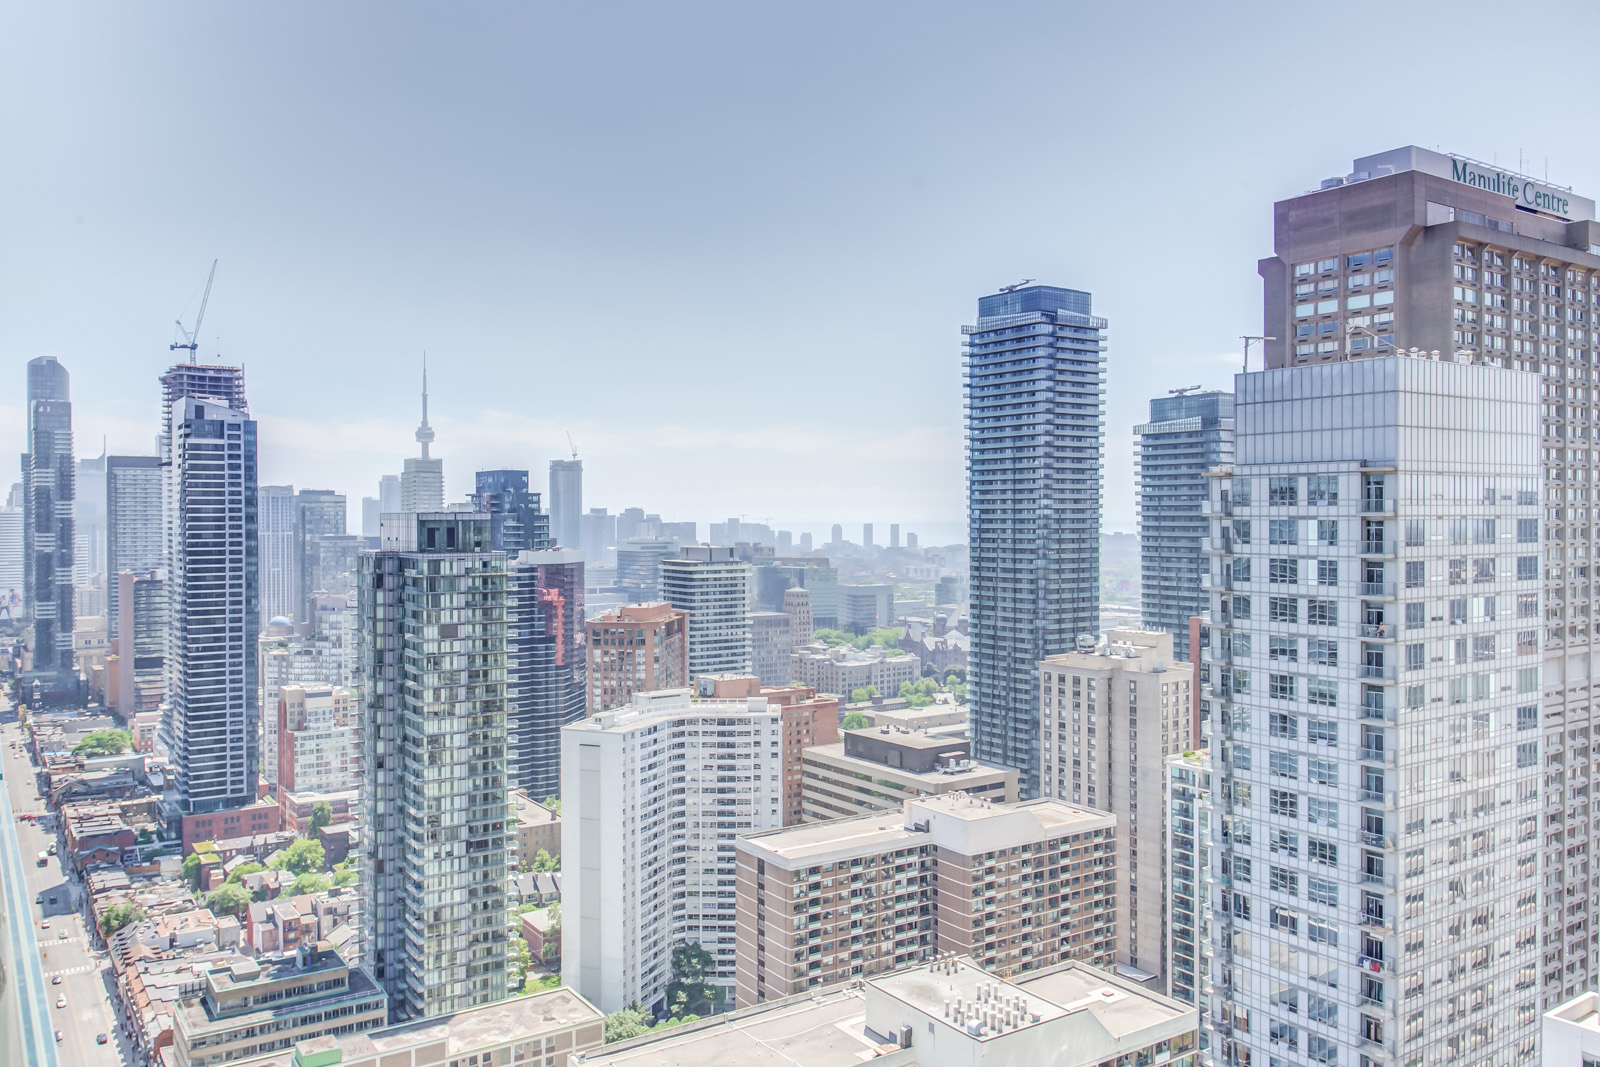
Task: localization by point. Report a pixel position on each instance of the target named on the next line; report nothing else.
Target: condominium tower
(1035, 384)
(546, 664)
(49, 542)
(133, 521)
(519, 524)
(1187, 435)
(212, 605)
(1375, 672)
(434, 790)
(280, 562)
(566, 502)
(636, 649)
(1415, 249)
(713, 585)
(318, 514)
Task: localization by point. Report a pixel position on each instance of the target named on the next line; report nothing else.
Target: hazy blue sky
(728, 247)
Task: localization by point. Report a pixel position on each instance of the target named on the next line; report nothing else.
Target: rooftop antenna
(1248, 339)
(1018, 285)
(191, 340)
(572, 444)
(1185, 390)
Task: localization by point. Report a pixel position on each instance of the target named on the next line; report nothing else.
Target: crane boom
(572, 445)
(192, 338)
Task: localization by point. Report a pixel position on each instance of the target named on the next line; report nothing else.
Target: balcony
(1375, 964)
(1377, 549)
(1378, 671)
(1378, 755)
(1382, 590)
(1377, 507)
(1376, 840)
(1377, 631)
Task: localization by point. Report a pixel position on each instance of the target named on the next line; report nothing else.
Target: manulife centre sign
(1529, 194)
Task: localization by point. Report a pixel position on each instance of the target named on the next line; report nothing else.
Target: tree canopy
(688, 993)
(104, 743)
(236, 875)
(191, 870)
(228, 900)
(311, 882)
(888, 638)
(919, 694)
(302, 855)
(543, 861)
(626, 1023)
(117, 916)
(321, 815)
(855, 721)
(863, 694)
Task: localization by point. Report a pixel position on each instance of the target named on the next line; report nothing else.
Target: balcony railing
(1377, 505)
(1377, 548)
(1383, 672)
(1378, 589)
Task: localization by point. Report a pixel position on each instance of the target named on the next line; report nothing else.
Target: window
(1322, 931)
(1528, 754)
(1285, 919)
(1322, 489)
(1458, 611)
(1527, 642)
(1283, 648)
(1282, 724)
(1527, 605)
(1527, 568)
(1323, 651)
(1527, 717)
(1241, 491)
(1241, 757)
(1241, 569)
(1357, 261)
(1285, 844)
(1417, 656)
(1416, 615)
(1483, 532)
(1483, 569)
(1383, 255)
(1322, 691)
(1241, 906)
(1283, 571)
(1482, 648)
(1283, 802)
(1416, 574)
(1241, 607)
(1323, 813)
(1527, 531)
(1283, 491)
(1322, 771)
(1241, 680)
(1322, 612)
(1457, 569)
(1327, 572)
(1283, 531)
(1320, 851)
(1241, 531)
(1285, 881)
(1322, 1010)
(1328, 532)
(1322, 732)
(1416, 532)
(1283, 609)
(1281, 686)
(1284, 764)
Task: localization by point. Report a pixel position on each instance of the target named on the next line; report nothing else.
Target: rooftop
(1123, 1007)
(808, 843)
(491, 1024)
(665, 702)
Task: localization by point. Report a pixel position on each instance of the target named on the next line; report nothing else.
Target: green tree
(104, 743)
(863, 694)
(321, 815)
(855, 721)
(228, 900)
(117, 916)
(311, 882)
(553, 803)
(523, 959)
(623, 1024)
(191, 870)
(919, 694)
(688, 992)
(543, 861)
(144, 837)
(302, 855)
(344, 877)
(236, 875)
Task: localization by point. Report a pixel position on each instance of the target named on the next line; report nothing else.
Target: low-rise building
(538, 829)
(945, 1013)
(250, 1007)
(841, 671)
(1570, 1033)
(876, 768)
(261, 817)
(1018, 886)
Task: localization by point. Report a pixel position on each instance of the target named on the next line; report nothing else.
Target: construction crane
(1019, 285)
(572, 445)
(191, 341)
(1186, 390)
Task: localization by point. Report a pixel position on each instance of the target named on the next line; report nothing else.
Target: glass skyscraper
(517, 522)
(1187, 435)
(1035, 399)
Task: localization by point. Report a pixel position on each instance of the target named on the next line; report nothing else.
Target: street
(86, 977)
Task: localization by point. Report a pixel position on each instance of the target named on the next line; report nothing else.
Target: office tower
(682, 532)
(1192, 832)
(866, 535)
(805, 542)
(213, 608)
(390, 499)
(911, 541)
(1187, 435)
(370, 522)
(797, 605)
(866, 607)
(875, 768)
(636, 649)
(950, 873)
(1035, 374)
(546, 664)
(639, 566)
(11, 558)
(1375, 660)
(318, 513)
(1111, 715)
(566, 501)
(657, 864)
(894, 535)
(433, 797)
(805, 718)
(838, 535)
(48, 523)
(1442, 253)
(713, 586)
(785, 544)
(598, 534)
(422, 480)
(89, 520)
(134, 539)
(517, 522)
(771, 642)
(319, 739)
(631, 523)
(139, 630)
(280, 556)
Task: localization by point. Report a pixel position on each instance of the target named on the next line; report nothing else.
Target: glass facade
(1186, 436)
(517, 521)
(546, 665)
(1035, 399)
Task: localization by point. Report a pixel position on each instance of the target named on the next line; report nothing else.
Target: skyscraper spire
(424, 431)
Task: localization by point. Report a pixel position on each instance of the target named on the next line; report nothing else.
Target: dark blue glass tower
(1186, 436)
(516, 519)
(1035, 388)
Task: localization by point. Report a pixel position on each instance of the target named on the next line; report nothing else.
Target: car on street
(63, 935)
(100, 1039)
(45, 925)
(51, 850)
(39, 899)
(61, 1001)
(58, 1037)
(55, 979)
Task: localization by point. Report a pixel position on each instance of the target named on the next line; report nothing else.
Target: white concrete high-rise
(1375, 673)
(714, 586)
(133, 521)
(422, 480)
(566, 502)
(649, 866)
(280, 563)
(89, 520)
(11, 514)
(435, 822)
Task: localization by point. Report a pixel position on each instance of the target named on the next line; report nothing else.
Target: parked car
(55, 979)
(61, 1001)
(100, 1039)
